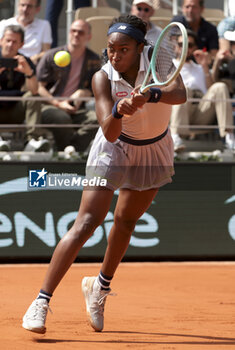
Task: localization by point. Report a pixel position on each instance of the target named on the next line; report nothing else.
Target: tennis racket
(162, 71)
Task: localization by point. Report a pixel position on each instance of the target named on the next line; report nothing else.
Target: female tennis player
(132, 150)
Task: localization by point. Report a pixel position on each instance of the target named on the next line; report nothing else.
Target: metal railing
(91, 99)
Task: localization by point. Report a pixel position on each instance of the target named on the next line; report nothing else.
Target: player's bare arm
(104, 103)
(175, 93)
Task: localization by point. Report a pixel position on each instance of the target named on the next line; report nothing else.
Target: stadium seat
(213, 15)
(214, 20)
(86, 12)
(99, 28)
(161, 21)
(161, 12)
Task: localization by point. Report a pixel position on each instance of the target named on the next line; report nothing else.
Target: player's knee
(124, 224)
(85, 226)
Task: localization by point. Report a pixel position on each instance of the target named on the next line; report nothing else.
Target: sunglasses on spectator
(190, 45)
(145, 9)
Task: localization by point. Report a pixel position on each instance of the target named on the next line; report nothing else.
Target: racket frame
(152, 69)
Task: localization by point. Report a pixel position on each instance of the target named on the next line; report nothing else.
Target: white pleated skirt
(130, 166)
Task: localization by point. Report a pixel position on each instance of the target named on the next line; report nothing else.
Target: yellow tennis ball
(62, 58)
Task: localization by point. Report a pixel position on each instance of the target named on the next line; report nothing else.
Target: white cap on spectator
(151, 3)
(229, 35)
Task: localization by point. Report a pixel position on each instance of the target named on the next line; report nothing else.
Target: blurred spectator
(231, 63)
(38, 37)
(221, 69)
(12, 81)
(230, 36)
(72, 81)
(227, 24)
(224, 64)
(54, 8)
(213, 102)
(192, 19)
(144, 9)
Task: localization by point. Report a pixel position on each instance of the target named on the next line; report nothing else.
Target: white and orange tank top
(147, 122)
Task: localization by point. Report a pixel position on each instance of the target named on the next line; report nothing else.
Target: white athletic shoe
(95, 299)
(41, 145)
(35, 317)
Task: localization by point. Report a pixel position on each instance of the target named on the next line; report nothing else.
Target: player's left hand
(139, 99)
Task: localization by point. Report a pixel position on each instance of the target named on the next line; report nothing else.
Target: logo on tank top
(121, 93)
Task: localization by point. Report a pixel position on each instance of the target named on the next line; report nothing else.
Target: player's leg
(93, 209)
(130, 207)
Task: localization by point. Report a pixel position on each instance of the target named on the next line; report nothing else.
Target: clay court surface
(157, 306)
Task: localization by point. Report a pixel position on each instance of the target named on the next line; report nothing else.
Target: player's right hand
(140, 98)
(127, 106)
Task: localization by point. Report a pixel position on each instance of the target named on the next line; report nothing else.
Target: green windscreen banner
(191, 218)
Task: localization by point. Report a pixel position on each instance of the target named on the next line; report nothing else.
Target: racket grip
(156, 95)
(115, 111)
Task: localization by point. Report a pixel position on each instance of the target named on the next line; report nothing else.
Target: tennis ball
(62, 58)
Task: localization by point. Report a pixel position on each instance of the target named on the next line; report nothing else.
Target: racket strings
(167, 51)
(162, 71)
